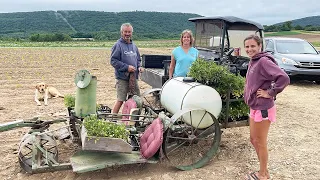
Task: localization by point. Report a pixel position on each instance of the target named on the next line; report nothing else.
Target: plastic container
(177, 95)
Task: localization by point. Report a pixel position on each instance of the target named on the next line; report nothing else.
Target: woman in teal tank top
(183, 56)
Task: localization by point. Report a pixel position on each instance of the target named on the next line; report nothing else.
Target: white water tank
(177, 95)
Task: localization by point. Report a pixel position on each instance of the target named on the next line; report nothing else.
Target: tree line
(288, 26)
(99, 36)
(53, 25)
(57, 25)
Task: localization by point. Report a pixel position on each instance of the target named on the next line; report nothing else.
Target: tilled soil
(309, 37)
(294, 147)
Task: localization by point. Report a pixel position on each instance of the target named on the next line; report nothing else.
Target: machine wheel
(30, 154)
(185, 145)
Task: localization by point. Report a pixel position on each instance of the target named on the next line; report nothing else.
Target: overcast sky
(264, 12)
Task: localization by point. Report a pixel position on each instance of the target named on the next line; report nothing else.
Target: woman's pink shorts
(260, 115)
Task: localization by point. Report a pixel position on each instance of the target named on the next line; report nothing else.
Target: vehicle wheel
(185, 145)
(30, 154)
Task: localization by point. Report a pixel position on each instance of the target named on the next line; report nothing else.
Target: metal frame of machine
(184, 145)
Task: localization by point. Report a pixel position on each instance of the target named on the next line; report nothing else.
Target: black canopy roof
(231, 20)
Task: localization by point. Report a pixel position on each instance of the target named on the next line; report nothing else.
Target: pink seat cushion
(128, 105)
(151, 139)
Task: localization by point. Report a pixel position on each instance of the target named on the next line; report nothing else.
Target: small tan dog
(43, 92)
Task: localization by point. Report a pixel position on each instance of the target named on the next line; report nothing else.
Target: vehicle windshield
(208, 34)
(236, 38)
(294, 47)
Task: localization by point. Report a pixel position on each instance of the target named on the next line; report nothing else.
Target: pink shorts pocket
(260, 115)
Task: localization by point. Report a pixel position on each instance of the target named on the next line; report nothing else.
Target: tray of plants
(100, 135)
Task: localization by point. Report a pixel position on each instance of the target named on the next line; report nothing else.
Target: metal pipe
(132, 115)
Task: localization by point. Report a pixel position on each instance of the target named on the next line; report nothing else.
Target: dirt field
(308, 37)
(294, 144)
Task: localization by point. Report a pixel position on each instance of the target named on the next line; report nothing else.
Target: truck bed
(154, 73)
(154, 77)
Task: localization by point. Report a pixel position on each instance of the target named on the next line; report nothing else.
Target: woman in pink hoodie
(264, 80)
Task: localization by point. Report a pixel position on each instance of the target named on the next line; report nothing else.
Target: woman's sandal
(253, 176)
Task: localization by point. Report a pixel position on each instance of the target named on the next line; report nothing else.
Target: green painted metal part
(86, 99)
(85, 161)
(209, 154)
(38, 153)
(14, 124)
(82, 79)
(212, 151)
(51, 168)
(34, 123)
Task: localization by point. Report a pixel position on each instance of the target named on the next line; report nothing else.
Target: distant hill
(312, 20)
(146, 24)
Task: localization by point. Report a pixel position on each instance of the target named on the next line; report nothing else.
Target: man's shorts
(260, 115)
(122, 87)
